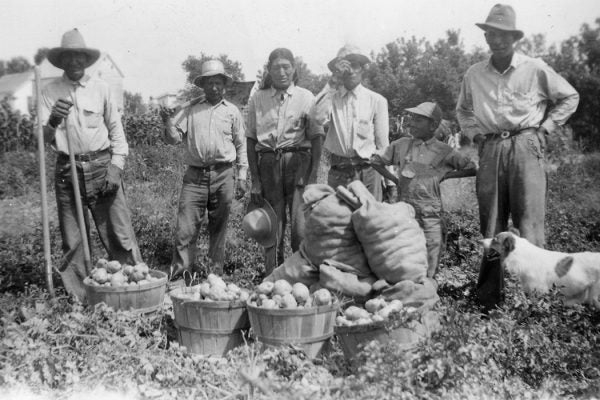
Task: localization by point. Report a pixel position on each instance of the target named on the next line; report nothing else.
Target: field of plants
(531, 348)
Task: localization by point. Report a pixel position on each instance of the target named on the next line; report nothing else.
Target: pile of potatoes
(376, 310)
(281, 294)
(214, 288)
(113, 273)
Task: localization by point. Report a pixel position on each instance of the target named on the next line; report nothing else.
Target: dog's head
(501, 244)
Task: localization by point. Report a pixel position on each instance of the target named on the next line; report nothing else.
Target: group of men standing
(502, 106)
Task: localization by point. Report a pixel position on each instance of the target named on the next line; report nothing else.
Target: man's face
(282, 73)
(74, 64)
(420, 127)
(213, 87)
(352, 76)
(501, 43)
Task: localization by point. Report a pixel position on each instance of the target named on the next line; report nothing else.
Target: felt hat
(72, 41)
(260, 223)
(211, 68)
(427, 109)
(502, 17)
(351, 53)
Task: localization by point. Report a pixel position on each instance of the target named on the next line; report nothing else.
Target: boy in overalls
(423, 163)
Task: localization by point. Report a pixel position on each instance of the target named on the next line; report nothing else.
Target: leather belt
(507, 134)
(86, 157)
(280, 151)
(213, 167)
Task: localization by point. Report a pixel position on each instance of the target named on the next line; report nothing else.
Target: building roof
(50, 71)
(10, 83)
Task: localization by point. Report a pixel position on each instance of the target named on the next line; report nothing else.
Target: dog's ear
(508, 244)
(514, 231)
(563, 266)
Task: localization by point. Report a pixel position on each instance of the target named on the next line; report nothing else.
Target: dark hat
(502, 17)
(72, 41)
(260, 223)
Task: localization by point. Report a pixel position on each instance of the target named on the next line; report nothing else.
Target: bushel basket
(144, 298)
(208, 327)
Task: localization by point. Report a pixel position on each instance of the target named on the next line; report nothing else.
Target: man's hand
(342, 66)
(542, 137)
(241, 188)
(112, 181)
(60, 111)
(165, 113)
(256, 192)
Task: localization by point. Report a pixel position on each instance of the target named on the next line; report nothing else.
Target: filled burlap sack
(328, 230)
(295, 269)
(421, 295)
(390, 236)
(341, 279)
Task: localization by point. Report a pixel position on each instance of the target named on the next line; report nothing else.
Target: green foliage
(133, 104)
(17, 131)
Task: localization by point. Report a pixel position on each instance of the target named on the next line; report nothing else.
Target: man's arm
(462, 166)
(562, 94)
(464, 111)
(239, 140)
(173, 134)
(381, 124)
(118, 143)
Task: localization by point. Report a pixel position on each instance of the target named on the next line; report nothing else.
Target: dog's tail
(563, 266)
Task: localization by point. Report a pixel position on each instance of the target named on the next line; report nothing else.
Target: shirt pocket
(364, 129)
(522, 100)
(296, 123)
(92, 114)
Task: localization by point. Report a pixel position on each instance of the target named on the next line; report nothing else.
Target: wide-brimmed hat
(502, 17)
(260, 223)
(351, 53)
(211, 68)
(427, 109)
(72, 41)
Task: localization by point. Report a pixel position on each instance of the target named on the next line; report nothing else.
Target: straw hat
(211, 68)
(72, 41)
(502, 17)
(351, 53)
(427, 109)
(260, 223)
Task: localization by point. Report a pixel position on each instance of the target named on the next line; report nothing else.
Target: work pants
(512, 181)
(111, 217)
(203, 189)
(343, 175)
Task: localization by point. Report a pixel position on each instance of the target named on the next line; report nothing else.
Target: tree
(40, 56)
(17, 64)
(133, 104)
(193, 67)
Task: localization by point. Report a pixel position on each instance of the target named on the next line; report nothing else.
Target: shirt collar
(82, 82)
(427, 142)
(514, 62)
(355, 91)
(288, 91)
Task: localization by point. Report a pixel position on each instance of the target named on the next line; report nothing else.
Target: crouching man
(82, 108)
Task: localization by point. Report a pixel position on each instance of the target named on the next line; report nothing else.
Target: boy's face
(420, 127)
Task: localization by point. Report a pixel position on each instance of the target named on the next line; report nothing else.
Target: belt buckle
(505, 134)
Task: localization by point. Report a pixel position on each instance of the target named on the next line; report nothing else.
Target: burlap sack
(328, 230)
(335, 277)
(295, 269)
(422, 295)
(390, 237)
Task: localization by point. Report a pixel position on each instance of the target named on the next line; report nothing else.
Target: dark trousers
(344, 175)
(111, 217)
(203, 189)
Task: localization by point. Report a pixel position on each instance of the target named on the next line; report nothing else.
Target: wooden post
(42, 158)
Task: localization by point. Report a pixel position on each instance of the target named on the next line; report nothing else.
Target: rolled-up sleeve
(239, 141)
(116, 135)
(381, 124)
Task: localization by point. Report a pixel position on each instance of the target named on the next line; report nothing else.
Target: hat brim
(270, 240)
(416, 111)
(359, 58)
(54, 55)
(486, 26)
(199, 79)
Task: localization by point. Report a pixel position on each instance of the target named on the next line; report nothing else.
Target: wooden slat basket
(142, 298)
(208, 327)
(308, 328)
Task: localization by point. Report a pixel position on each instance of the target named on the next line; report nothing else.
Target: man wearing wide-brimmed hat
(83, 108)
(356, 120)
(212, 130)
(502, 107)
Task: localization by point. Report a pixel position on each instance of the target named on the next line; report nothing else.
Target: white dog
(577, 275)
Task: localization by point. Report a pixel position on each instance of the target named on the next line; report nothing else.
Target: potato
(205, 289)
(216, 280)
(375, 305)
(288, 301)
(300, 292)
(233, 288)
(265, 288)
(354, 313)
(322, 297)
(118, 279)
(101, 263)
(113, 266)
(282, 287)
(100, 276)
(268, 303)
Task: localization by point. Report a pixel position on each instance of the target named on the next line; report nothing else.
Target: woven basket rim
(132, 289)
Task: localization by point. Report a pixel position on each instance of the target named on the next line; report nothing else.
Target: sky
(149, 39)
